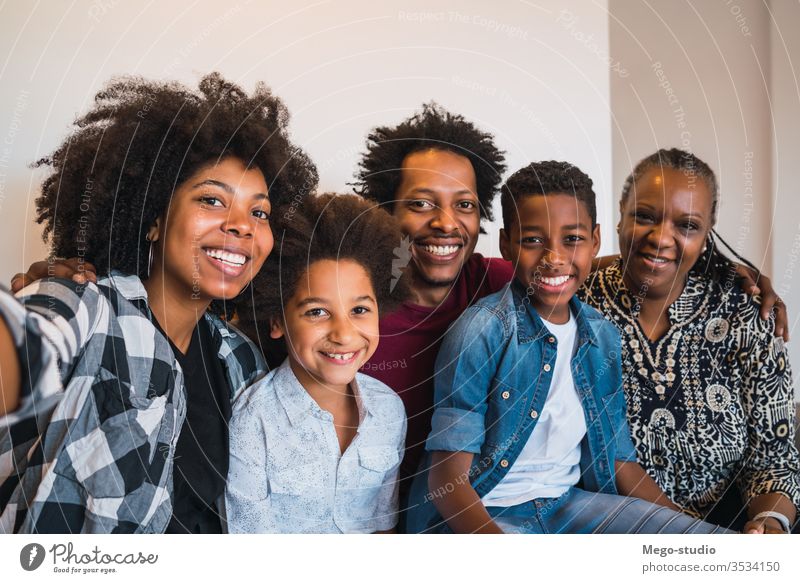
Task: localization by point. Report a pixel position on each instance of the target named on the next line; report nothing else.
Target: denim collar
(298, 404)
(529, 323)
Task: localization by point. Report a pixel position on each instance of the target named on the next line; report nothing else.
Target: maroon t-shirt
(410, 340)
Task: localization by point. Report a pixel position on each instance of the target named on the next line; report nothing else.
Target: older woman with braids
(708, 384)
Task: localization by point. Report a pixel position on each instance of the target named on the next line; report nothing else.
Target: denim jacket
(493, 375)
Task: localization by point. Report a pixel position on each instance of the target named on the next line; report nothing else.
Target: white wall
(533, 74)
(785, 96)
(718, 78)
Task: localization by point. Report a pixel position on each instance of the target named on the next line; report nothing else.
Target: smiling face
(215, 235)
(330, 324)
(663, 228)
(437, 206)
(551, 246)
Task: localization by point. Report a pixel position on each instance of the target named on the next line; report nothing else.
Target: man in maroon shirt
(437, 173)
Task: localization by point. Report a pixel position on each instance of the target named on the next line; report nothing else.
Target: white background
(571, 80)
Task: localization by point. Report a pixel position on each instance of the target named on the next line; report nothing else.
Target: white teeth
(226, 256)
(340, 355)
(656, 259)
(555, 280)
(441, 249)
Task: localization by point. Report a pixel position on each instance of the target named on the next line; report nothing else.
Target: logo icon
(402, 257)
(31, 556)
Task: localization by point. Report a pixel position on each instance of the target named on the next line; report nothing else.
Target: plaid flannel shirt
(91, 446)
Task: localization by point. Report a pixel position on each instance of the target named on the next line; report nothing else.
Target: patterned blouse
(711, 402)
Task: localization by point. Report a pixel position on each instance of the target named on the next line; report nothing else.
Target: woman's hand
(763, 526)
(754, 283)
(75, 268)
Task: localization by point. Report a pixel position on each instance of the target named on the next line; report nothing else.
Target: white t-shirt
(549, 463)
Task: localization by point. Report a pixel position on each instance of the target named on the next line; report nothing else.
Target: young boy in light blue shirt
(316, 447)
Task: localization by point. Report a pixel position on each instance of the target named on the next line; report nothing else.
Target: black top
(201, 454)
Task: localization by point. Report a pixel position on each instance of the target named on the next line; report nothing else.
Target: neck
(176, 316)
(651, 296)
(429, 295)
(329, 397)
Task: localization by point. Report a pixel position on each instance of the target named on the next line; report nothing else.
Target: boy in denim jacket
(529, 432)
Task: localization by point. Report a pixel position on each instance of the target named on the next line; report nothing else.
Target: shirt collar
(531, 327)
(298, 404)
(128, 286)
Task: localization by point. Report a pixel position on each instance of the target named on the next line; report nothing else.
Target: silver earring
(149, 256)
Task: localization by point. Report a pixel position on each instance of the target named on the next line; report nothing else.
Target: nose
(238, 222)
(555, 257)
(660, 235)
(341, 331)
(443, 221)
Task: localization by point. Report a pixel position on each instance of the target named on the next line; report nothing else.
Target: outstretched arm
(9, 372)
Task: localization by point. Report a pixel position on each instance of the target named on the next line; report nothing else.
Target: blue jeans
(580, 512)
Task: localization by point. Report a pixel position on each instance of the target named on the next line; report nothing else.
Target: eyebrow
(314, 300)
(227, 188)
(538, 229)
(424, 190)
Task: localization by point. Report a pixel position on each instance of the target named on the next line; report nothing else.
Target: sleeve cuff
(456, 430)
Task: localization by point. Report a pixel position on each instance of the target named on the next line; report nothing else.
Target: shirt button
(551, 339)
(534, 414)
(505, 394)
(547, 368)
(503, 463)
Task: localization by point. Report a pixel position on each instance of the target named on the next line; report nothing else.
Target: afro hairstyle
(115, 174)
(378, 176)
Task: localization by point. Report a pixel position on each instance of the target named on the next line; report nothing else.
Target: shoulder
(237, 348)
(603, 330)
(63, 297)
(387, 402)
(496, 270)
(255, 399)
(497, 310)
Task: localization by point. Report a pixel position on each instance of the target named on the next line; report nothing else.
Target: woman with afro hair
(116, 393)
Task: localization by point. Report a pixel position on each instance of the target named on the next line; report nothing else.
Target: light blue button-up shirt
(287, 474)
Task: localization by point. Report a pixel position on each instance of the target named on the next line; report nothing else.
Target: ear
(595, 240)
(153, 231)
(505, 245)
(276, 329)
